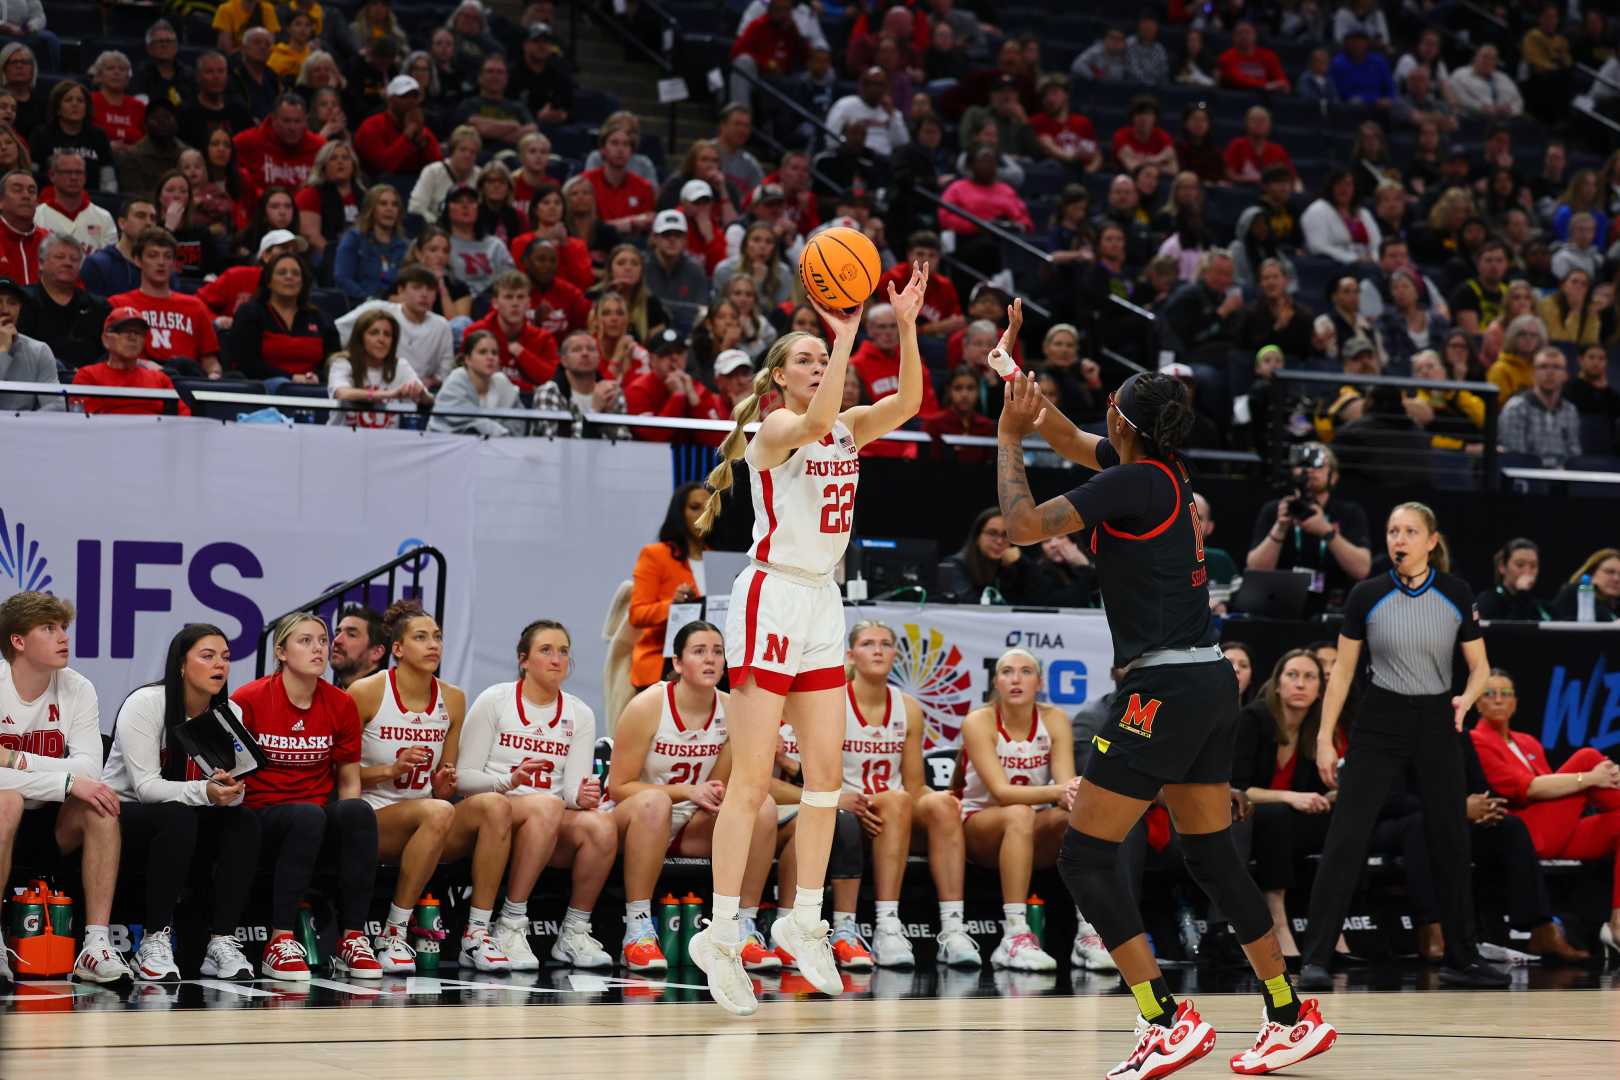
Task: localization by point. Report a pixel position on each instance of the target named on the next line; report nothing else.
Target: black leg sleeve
(1133, 859)
(1363, 784)
(292, 834)
(1444, 795)
(848, 855)
(231, 834)
(166, 833)
(351, 839)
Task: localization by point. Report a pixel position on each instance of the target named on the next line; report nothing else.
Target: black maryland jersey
(1148, 543)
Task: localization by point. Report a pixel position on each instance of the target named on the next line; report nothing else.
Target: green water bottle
(427, 927)
(308, 936)
(60, 908)
(669, 929)
(691, 914)
(1036, 918)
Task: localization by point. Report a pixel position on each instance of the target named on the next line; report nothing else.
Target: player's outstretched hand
(1023, 407)
(908, 302)
(845, 324)
(1015, 322)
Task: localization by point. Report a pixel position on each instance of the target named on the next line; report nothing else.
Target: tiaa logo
(20, 558)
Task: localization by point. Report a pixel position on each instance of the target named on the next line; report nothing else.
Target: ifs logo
(20, 559)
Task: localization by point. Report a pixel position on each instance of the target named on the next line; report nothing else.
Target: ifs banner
(947, 656)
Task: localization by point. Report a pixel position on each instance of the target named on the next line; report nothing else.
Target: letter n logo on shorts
(776, 648)
(1139, 717)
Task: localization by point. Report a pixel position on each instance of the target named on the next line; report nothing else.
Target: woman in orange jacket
(1554, 805)
(667, 572)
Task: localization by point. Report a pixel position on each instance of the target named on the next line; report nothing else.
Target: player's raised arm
(869, 422)
(1026, 522)
(1058, 430)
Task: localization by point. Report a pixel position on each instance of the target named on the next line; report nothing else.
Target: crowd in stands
(1349, 189)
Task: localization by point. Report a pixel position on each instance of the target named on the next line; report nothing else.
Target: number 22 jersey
(803, 507)
(396, 729)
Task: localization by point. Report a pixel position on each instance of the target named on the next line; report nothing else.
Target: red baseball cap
(122, 316)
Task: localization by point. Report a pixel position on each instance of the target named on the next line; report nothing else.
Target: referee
(1411, 620)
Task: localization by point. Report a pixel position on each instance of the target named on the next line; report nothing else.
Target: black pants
(1394, 731)
(297, 835)
(170, 835)
(847, 859)
(1282, 835)
(1506, 854)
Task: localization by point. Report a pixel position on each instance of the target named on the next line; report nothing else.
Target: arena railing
(609, 21)
(1488, 392)
(411, 560)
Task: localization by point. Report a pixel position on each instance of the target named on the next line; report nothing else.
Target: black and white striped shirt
(1411, 632)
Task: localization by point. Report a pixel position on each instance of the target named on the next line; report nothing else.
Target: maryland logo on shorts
(1138, 717)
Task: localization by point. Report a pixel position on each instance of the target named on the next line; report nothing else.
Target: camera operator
(1312, 531)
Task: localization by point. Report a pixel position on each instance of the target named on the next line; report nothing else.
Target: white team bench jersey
(1026, 762)
(396, 729)
(685, 749)
(873, 744)
(561, 735)
(803, 507)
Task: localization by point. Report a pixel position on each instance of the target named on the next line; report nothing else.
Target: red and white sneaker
(355, 958)
(394, 954)
(849, 949)
(480, 952)
(756, 957)
(1161, 1050)
(1278, 1047)
(285, 960)
(99, 962)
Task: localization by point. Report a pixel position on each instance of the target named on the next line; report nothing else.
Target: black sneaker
(1314, 977)
(1478, 975)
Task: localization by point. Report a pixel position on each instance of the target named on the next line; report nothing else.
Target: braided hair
(1156, 407)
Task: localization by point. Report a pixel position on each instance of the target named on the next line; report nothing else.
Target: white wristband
(1003, 364)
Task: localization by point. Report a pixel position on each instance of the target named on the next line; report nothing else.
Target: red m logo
(776, 649)
(1139, 717)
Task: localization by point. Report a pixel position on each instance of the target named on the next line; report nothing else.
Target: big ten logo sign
(1063, 679)
(112, 588)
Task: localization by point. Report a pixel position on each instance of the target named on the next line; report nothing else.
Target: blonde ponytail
(736, 443)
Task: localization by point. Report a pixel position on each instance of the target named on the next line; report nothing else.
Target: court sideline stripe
(724, 1034)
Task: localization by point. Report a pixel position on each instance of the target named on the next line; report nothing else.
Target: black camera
(1302, 457)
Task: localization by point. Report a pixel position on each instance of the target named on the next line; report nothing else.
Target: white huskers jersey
(873, 744)
(685, 748)
(504, 729)
(1026, 762)
(803, 507)
(396, 729)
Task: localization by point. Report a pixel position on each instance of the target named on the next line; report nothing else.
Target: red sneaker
(756, 957)
(642, 955)
(284, 960)
(1278, 1047)
(355, 957)
(786, 957)
(1161, 1050)
(849, 950)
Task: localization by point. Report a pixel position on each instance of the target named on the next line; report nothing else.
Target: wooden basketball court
(1431, 1034)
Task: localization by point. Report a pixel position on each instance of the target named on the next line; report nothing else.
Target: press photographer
(1311, 531)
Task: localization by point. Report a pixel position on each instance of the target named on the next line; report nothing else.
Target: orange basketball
(840, 267)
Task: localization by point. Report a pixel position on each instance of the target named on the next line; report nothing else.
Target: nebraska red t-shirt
(880, 371)
(633, 196)
(140, 378)
(1157, 142)
(124, 122)
(1074, 135)
(182, 327)
(1246, 165)
(304, 746)
(939, 302)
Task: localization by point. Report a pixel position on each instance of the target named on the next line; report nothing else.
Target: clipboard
(216, 740)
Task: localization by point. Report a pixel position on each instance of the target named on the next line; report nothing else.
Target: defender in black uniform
(1175, 711)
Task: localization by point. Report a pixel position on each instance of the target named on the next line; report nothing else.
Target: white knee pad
(823, 799)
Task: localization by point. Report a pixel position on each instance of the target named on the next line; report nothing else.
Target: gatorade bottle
(308, 936)
(1036, 918)
(29, 933)
(669, 929)
(27, 914)
(60, 908)
(427, 927)
(691, 913)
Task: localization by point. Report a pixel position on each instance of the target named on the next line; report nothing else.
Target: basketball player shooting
(785, 627)
(1175, 711)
